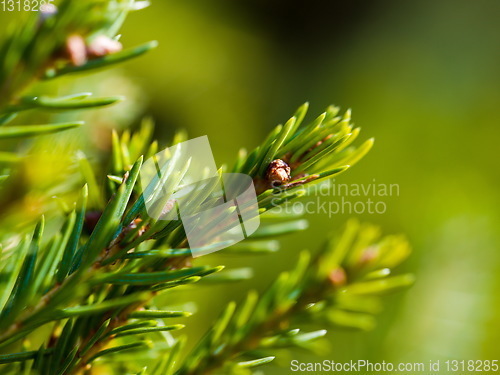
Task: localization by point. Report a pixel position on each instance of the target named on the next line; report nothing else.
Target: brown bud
(102, 46)
(78, 52)
(76, 49)
(278, 172)
(337, 277)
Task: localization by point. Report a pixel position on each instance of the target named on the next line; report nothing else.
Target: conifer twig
(92, 283)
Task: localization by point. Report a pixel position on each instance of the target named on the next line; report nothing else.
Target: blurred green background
(422, 77)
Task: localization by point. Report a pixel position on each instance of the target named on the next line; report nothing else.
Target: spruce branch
(339, 286)
(128, 257)
(74, 37)
(92, 285)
